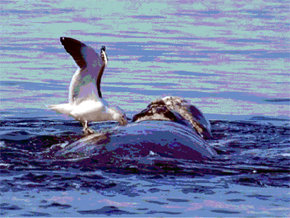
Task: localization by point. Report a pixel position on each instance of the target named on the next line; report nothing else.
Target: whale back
(160, 138)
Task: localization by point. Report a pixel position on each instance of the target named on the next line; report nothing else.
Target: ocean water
(228, 58)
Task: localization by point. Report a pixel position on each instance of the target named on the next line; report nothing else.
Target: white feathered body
(87, 110)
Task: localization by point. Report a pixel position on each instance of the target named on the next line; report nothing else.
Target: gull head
(119, 115)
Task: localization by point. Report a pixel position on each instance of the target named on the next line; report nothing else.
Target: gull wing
(87, 80)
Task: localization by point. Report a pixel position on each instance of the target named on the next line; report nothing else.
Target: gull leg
(86, 129)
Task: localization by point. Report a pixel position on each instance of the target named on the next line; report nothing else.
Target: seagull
(85, 97)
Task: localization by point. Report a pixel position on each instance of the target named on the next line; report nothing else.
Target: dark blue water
(248, 177)
(229, 58)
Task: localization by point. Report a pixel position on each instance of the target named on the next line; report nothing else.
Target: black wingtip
(69, 41)
(62, 39)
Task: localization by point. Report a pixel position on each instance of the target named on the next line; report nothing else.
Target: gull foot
(88, 131)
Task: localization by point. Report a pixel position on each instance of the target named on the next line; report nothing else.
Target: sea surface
(228, 58)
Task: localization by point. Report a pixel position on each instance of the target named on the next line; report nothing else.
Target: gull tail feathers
(62, 108)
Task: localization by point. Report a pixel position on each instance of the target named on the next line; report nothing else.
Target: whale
(168, 128)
